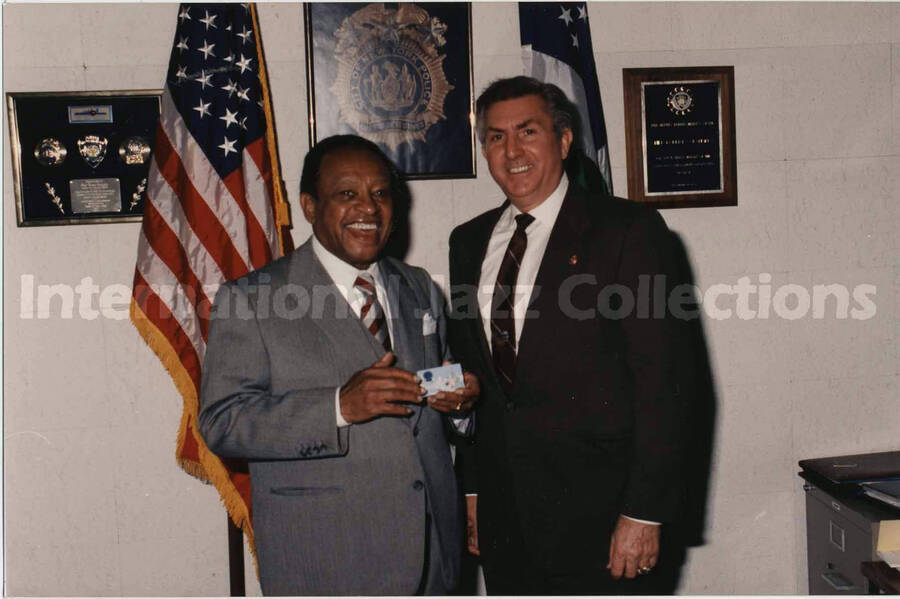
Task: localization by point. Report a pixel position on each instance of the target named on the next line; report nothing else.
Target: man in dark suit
(559, 307)
(309, 375)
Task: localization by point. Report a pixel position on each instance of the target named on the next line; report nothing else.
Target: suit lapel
(330, 311)
(566, 238)
(407, 340)
(471, 275)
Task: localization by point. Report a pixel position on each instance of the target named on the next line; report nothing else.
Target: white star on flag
(204, 79)
(184, 14)
(244, 63)
(244, 123)
(228, 146)
(582, 13)
(209, 21)
(242, 93)
(245, 35)
(207, 49)
(566, 16)
(229, 118)
(229, 58)
(202, 108)
(181, 73)
(182, 44)
(228, 28)
(231, 87)
(574, 41)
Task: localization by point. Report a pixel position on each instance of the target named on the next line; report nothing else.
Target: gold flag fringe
(210, 469)
(280, 204)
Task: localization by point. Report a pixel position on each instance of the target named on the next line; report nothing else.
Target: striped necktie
(371, 313)
(503, 325)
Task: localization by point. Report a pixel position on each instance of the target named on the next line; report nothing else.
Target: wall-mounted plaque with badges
(81, 157)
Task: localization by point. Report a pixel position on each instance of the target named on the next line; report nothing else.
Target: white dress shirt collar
(344, 274)
(545, 212)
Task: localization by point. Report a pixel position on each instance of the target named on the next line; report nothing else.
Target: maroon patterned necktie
(503, 324)
(371, 314)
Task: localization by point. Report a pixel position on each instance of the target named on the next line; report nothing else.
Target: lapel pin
(573, 259)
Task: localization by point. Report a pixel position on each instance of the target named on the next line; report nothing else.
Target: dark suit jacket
(592, 426)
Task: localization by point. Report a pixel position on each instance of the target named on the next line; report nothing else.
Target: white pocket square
(429, 324)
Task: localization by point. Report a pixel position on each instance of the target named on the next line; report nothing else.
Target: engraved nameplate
(95, 195)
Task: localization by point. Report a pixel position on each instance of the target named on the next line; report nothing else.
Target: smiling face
(351, 216)
(524, 154)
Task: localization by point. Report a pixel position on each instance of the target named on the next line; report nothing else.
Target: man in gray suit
(309, 376)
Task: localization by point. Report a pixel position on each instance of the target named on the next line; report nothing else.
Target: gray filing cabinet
(841, 533)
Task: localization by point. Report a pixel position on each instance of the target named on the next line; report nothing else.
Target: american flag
(214, 210)
(556, 48)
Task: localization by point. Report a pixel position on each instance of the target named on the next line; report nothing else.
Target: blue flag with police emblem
(556, 48)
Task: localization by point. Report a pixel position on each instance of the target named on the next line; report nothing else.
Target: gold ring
(458, 406)
(644, 570)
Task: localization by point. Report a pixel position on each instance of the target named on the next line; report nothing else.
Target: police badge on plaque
(64, 147)
(93, 149)
(134, 150)
(50, 152)
(399, 75)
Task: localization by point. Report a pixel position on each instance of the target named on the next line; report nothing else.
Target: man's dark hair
(312, 164)
(563, 112)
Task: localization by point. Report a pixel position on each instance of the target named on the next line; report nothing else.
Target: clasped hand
(381, 390)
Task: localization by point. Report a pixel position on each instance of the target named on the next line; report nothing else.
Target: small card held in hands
(441, 378)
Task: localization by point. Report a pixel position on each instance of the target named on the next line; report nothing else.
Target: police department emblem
(680, 100)
(390, 82)
(93, 149)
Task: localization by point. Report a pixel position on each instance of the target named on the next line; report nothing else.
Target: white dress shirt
(344, 277)
(538, 234)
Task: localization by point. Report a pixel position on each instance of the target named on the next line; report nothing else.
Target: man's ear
(565, 142)
(308, 203)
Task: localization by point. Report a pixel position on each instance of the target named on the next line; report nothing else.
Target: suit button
(418, 485)
(510, 406)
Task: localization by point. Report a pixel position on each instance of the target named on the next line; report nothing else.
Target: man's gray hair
(563, 112)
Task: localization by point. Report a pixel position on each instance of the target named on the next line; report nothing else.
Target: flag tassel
(282, 211)
(210, 468)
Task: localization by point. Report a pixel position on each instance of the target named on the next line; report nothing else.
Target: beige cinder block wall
(95, 504)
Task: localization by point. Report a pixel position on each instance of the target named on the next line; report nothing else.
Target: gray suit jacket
(335, 511)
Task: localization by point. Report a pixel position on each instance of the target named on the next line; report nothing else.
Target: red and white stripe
(371, 313)
(199, 231)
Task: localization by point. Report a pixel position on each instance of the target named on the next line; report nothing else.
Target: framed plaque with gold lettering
(680, 136)
(398, 74)
(81, 157)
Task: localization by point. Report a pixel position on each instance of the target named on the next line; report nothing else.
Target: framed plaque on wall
(398, 74)
(680, 136)
(81, 157)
